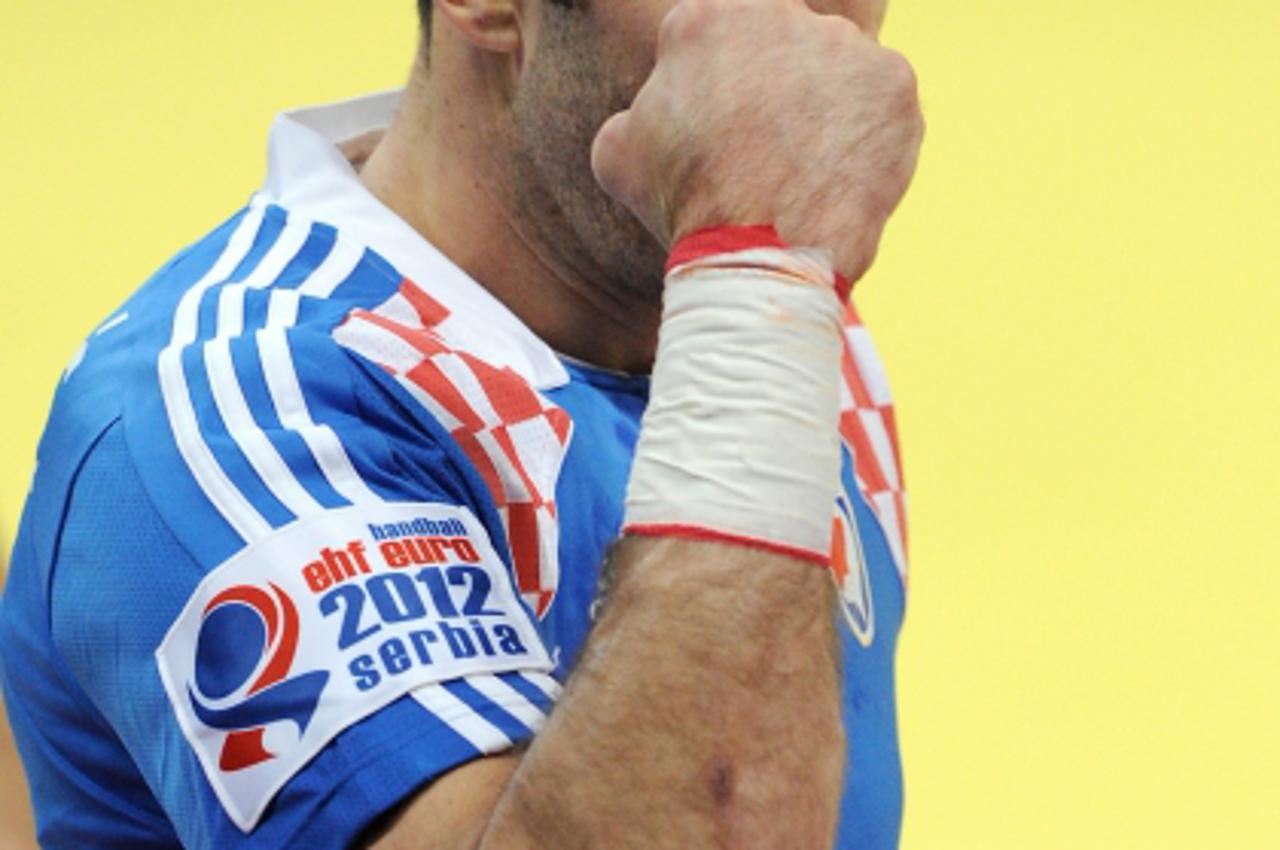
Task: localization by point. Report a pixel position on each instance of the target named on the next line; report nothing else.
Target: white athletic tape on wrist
(740, 441)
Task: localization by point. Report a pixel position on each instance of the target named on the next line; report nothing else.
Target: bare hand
(763, 111)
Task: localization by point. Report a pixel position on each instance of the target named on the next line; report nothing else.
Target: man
(317, 532)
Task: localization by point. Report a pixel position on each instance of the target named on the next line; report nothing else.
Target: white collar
(307, 174)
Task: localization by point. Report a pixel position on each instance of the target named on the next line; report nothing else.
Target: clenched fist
(763, 111)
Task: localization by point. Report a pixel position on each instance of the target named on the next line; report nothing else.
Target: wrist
(740, 440)
(732, 245)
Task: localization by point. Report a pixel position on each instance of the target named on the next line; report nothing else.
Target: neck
(439, 168)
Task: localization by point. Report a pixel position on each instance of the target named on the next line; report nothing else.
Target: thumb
(621, 173)
(611, 160)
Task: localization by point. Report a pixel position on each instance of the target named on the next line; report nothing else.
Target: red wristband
(727, 239)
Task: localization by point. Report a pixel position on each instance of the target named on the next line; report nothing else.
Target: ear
(488, 24)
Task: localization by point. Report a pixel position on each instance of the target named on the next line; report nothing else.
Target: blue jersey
(315, 520)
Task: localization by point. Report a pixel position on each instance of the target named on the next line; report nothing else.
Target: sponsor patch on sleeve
(324, 622)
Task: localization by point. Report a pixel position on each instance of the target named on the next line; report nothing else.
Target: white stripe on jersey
(251, 439)
(282, 309)
(225, 383)
(336, 268)
(282, 376)
(291, 409)
(545, 683)
(213, 480)
(341, 261)
(510, 700)
(463, 719)
(112, 323)
(232, 296)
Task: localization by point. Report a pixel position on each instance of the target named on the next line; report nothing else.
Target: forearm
(704, 712)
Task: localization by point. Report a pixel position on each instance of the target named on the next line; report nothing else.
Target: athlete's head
(573, 64)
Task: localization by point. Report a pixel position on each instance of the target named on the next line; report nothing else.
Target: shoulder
(242, 406)
(280, 368)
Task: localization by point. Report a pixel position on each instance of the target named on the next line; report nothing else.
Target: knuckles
(901, 89)
(901, 75)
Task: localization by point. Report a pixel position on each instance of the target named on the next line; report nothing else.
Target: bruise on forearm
(704, 712)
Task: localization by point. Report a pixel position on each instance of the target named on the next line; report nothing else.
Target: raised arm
(704, 711)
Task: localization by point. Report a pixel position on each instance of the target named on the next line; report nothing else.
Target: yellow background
(1076, 306)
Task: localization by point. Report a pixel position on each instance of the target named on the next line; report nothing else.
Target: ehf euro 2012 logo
(325, 621)
(849, 569)
(243, 679)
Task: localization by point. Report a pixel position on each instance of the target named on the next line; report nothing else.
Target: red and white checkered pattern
(517, 440)
(514, 437)
(868, 427)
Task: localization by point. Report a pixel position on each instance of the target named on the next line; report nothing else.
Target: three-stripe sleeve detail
(278, 370)
(224, 383)
(517, 704)
(462, 719)
(229, 501)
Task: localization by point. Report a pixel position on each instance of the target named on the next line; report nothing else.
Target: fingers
(732, 72)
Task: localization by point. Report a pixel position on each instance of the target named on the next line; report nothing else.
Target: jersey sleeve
(289, 598)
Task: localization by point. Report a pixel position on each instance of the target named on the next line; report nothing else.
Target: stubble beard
(567, 94)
